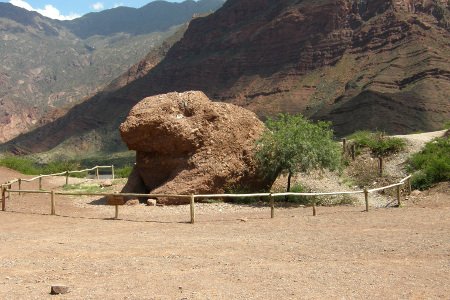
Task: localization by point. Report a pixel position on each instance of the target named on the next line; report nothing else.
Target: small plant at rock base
(447, 125)
(123, 172)
(304, 200)
(237, 189)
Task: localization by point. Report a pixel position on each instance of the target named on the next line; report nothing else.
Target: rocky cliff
(378, 64)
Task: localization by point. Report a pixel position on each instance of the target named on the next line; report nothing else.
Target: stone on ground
(59, 289)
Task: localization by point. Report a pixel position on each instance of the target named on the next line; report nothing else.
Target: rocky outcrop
(186, 144)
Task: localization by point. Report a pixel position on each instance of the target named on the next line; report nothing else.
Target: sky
(71, 9)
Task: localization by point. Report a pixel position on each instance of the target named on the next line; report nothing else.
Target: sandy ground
(232, 252)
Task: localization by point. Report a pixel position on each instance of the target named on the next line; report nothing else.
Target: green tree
(291, 144)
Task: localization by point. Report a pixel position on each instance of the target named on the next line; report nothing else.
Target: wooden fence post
(380, 166)
(314, 208)
(67, 177)
(353, 151)
(344, 144)
(20, 185)
(112, 172)
(408, 182)
(3, 198)
(52, 210)
(272, 207)
(399, 196)
(366, 198)
(9, 193)
(40, 182)
(97, 173)
(192, 209)
(117, 212)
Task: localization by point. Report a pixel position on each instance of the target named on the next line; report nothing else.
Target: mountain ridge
(154, 16)
(363, 65)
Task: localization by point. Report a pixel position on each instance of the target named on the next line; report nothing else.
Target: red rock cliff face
(267, 55)
(380, 64)
(262, 38)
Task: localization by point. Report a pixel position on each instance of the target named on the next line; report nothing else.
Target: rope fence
(7, 190)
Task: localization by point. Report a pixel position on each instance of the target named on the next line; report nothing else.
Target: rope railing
(385, 187)
(65, 173)
(6, 188)
(406, 178)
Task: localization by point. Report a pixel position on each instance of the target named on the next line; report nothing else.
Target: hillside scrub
(23, 165)
(379, 144)
(29, 166)
(292, 144)
(432, 164)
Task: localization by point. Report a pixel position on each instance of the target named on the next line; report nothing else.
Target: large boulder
(187, 144)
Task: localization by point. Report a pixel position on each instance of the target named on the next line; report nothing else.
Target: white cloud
(48, 11)
(22, 4)
(53, 13)
(98, 6)
(117, 5)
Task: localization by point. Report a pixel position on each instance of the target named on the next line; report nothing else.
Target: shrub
(432, 164)
(59, 166)
(447, 125)
(28, 166)
(237, 189)
(380, 145)
(304, 200)
(123, 172)
(361, 138)
(293, 143)
(21, 164)
(377, 142)
(439, 12)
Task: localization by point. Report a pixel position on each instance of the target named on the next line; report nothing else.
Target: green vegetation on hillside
(432, 164)
(379, 144)
(30, 166)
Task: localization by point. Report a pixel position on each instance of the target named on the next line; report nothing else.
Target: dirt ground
(232, 252)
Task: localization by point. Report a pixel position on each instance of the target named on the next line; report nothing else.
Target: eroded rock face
(187, 144)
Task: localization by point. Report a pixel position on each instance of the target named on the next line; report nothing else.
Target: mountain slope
(102, 112)
(46, 68)
(364, 65)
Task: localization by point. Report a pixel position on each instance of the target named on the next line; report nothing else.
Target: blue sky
(70, 9)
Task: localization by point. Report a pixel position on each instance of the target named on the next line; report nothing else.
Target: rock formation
(187, 144)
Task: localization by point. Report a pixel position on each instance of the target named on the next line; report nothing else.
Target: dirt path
(343, 252)
(232, 252)
(416, 141)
